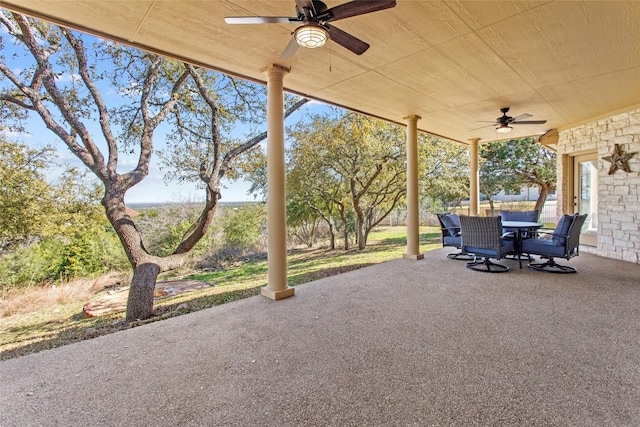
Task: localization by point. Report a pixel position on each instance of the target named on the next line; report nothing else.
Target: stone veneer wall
(618, 194)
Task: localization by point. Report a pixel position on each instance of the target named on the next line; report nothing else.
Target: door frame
(589, 237)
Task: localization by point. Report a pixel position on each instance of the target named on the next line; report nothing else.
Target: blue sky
(154, 188)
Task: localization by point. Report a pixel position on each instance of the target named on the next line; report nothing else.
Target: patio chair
(482, 237)
(563, 242)
(526, 216)
(511, 233)
(450, 229)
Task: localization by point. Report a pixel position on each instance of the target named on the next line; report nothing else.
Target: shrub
(57, 259)
(243, 226)
(162, 229)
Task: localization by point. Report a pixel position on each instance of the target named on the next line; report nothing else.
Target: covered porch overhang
(451, 63)
(434, 66)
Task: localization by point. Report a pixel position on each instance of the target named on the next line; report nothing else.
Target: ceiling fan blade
(346, 40)
(529, 122)
(482, 127)
(260, 20)
(521, 116)
(291, 48)
(355, 8)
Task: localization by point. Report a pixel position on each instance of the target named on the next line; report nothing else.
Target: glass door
(585, 195)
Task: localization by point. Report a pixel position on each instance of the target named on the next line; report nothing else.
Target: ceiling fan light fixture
(311, 36)
(504, 129)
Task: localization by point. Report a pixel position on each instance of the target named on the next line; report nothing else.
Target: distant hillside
(143, 206)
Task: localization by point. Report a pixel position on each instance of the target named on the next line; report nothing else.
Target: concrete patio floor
(400, 343)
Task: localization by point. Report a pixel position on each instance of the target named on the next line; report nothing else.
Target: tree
(303, 220)
(516, 163)
(25, 195)
(361, 164)
(65, 86)
(535, 165)
(443, 170)
(311, 181)
(493, 175)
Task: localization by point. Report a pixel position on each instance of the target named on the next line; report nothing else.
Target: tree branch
(228, 158)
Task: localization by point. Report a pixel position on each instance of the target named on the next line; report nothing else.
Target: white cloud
(67, 77)
(132, 89)
(8, 133)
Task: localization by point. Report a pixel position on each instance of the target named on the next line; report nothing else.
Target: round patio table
(521, 226)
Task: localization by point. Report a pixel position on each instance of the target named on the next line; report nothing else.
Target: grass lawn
(60, 321)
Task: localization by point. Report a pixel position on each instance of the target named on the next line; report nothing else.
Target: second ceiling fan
(503, 123)
(315, 29)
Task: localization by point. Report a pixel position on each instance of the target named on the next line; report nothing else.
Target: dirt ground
(116, 300)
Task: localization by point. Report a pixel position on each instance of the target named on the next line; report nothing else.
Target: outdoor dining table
(522, 227)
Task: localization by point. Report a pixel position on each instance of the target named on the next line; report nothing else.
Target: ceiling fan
(503, 123)
(315, 29)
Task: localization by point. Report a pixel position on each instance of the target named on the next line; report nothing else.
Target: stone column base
(276, 295)
(413, 257)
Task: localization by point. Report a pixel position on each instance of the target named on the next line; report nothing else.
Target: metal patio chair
(526, 216)
(563, 242)
(450, 229)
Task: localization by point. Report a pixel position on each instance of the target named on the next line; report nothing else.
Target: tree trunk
(359, 220)
(332, 236)
(345, 227)
(143, 283)
(542, 197)
(345, 236)
(362, 241)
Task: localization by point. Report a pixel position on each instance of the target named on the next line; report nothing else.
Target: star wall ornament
(619, 159)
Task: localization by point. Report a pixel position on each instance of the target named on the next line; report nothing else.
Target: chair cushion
(506, 247)
(526, 216)
(453, 241)
(452, 223)
(544, 247)
(561, 230)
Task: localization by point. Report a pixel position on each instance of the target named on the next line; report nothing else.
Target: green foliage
(510, 165)
(88, 253)
(74, 240)
(443, 171)
(163, 228)
(302, 220)
(25, 196)
(83, 254)
(165, 243)
(243, 226)
(348, 163)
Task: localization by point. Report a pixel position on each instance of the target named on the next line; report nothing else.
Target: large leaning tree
(515, 163)
(105, 100)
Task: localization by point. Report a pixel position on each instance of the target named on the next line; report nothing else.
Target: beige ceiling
(453, 63)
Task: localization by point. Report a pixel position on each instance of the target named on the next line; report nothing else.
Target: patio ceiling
(453, 63)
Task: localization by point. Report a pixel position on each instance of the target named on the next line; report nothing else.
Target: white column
(276, 208)
(474, 178)
(413, 200)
